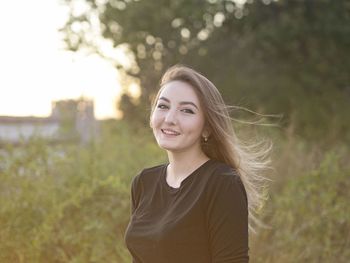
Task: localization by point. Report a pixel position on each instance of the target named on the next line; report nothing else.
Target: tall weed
(70, 203)
(309, 216)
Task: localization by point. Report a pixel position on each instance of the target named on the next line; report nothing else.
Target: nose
(171, 117)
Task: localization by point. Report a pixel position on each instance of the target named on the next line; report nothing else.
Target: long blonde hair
(223, 145)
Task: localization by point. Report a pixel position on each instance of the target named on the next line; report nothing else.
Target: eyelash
(162, 107)
(188, 111)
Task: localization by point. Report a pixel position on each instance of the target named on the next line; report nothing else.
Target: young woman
(195, 208)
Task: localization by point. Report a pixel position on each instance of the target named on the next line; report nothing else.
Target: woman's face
(178, 119)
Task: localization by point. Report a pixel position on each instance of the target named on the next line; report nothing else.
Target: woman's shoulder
(223, 171)
(153, 170)
(149, 173)
(224, 174)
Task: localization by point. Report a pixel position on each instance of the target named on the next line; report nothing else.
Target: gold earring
(205, 138)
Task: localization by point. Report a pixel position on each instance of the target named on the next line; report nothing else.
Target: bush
(309, 217)
(70, 203)
(67, 203)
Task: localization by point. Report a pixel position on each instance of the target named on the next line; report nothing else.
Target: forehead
(177, 91)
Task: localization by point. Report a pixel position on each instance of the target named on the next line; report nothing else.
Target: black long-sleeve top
(204, 220)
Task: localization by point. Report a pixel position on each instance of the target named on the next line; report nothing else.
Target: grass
(70, 203)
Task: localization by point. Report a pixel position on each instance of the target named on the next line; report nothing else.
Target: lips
(170, 132)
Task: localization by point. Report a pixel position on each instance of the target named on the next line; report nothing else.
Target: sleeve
(227, 220)
(135, 192)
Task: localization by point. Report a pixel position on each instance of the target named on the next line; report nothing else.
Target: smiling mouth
(169, 132)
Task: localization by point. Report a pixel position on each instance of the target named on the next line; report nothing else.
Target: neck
(182, 164)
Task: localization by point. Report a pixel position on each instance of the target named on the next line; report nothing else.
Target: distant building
(69, 120)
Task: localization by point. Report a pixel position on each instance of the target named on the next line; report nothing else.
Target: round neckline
(184, 181)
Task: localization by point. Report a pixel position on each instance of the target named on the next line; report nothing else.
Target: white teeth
(170, 132)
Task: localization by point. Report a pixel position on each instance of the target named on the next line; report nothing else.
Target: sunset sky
(35, 69)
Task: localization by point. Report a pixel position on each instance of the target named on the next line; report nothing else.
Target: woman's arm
(227, 220)
(135, 192)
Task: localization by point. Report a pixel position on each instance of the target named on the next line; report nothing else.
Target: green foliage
(281, 57)
(68, 203)
(63, 203)
(309, 216)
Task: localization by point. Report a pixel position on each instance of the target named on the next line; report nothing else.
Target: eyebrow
(181, 103)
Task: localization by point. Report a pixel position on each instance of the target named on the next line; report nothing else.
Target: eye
(188, 111)
(162, 106)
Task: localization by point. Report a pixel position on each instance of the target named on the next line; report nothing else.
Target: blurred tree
(291, 57)
(287, 56)
(158, 33)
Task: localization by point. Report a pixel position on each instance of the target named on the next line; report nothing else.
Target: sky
(35, 69)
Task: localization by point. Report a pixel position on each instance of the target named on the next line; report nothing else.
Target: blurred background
(76, 82)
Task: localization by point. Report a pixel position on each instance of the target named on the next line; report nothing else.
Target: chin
(167, 147)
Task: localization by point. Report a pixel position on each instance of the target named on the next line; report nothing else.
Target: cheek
(154, 120)
(195, 127)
